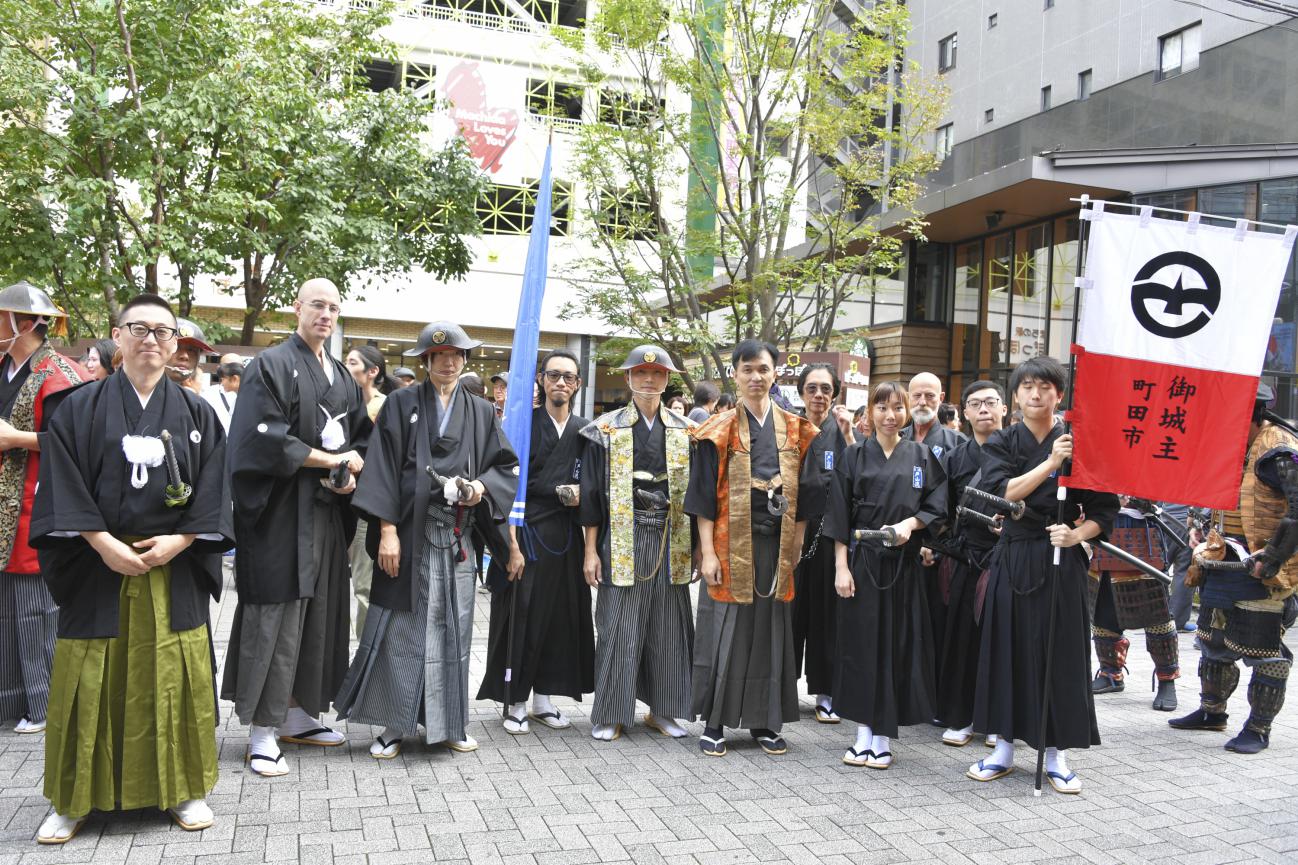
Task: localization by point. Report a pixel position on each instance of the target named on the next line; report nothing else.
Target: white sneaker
(57, 829)
(464, 746)
(27, 725)
(192, 815)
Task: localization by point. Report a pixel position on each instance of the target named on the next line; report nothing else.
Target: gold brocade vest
(1261, 508)
(732, 537)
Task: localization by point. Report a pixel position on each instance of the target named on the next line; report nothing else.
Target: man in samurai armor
(1244, 611)
(1123, 597)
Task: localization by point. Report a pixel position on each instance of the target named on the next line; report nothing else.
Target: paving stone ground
(1150, 795)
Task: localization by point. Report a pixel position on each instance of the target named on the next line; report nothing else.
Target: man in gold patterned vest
(635, 467)
(744, 484)
(1243, 612)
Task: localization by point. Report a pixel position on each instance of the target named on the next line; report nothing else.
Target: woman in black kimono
(883, 677)
(815, 603)
(1022, 463)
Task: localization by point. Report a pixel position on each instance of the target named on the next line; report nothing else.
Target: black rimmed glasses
(140, 330)
(976, 404)
(554, 377)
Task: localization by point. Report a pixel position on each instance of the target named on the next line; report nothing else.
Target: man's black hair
(973, 388)
(705, 392)
(749, 349)
(145, 299)
(1045, 369)
(560, 352)
(813, 367)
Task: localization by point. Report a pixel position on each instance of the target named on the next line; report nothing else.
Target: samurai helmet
(441, 335)
(23, 298)
(188, 332)
(649, 355)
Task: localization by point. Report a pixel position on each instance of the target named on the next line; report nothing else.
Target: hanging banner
(1175, 322)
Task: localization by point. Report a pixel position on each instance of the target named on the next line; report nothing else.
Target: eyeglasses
(321, 306)
(976, 404)
(819, 388)
(554, 376)
(140, 330)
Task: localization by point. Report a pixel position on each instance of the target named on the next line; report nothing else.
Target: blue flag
(527, 332)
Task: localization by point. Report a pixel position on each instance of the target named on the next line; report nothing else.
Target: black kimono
(412, 665)
(1016, 613)
(883, 677)
(554, 633)
(966, 578)
(815, 603)
(291, 629)
(132, 711)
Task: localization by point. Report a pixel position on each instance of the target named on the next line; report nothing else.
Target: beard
(923, 416)
(559, 400)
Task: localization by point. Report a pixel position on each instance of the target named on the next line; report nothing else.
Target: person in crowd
(191, 347)
(130, 546)
(224, 392)
(33, 376)
(540, 604)
(1023, 464)
(635, 471)
(405, 376)
(438, 468)
(883, 673)
(706, 394)
(725, 402)
(99, 358)
(677, 404)
(500, 391)
(296, 442)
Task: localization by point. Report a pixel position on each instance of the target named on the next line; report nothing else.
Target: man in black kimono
(130, 545)
(635, 470)
(549, 623)
(1023, 464)
(299, 419)
(412, 666)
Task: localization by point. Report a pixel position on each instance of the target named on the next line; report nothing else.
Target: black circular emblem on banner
(1175, 297)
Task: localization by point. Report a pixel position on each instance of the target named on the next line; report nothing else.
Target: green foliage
(149, 144)
(762, 101)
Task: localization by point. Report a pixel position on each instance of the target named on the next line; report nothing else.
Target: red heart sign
(488, 131)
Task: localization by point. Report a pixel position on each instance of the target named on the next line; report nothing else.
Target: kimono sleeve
(209, 514)
(838, 513)
(378, 489)
(1100, 508)
(594, 469)
(813, 480)
(498, 473)
(998, 466)
(701, 493)
(260, 447)
(64, 500)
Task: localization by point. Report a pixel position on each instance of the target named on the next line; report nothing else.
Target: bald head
(318, 288)
(232, 357)
(926, 395)
(927, 381)
(317, 311)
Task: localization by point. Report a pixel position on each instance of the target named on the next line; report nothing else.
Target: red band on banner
(1159, 431)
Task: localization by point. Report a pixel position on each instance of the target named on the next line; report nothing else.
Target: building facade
(1178, 105)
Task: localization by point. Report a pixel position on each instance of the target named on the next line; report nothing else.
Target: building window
(1050, 4)
(1045, 98)
(627, 111)
(1084, 86)
(548, 98)
(943, 141)
(989, 115)
(1178, 52)
(380, 75)
(568, 13)
(507, 209)
(946, 53)
(625, 214)
(991, 21)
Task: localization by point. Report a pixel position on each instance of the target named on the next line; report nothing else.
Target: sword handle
(169, 451)
(887, 536)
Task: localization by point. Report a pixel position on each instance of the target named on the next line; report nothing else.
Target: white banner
(1181, 293)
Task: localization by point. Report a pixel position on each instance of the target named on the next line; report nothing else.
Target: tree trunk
(185, 302)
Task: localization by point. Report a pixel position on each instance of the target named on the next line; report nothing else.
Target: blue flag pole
(517, 421)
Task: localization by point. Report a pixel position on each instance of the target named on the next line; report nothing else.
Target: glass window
(927, 300)
(1045, 98)
(1063, 270)
(943, 141)
(991, 21)
(1184, 199)
(1031, 292)
(946, 53)
(1084, 85)
(964, 315)
(1228, 202)
(1050, 4)
(1178, 52)
(999, 270)
(1278, 202)
(989, 115)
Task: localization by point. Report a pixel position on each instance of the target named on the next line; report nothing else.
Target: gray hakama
(741, 680)
(297, 649)
(412, 666)
(28, 623)
(646, 636)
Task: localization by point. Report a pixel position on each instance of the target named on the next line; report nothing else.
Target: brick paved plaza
(1150, 795)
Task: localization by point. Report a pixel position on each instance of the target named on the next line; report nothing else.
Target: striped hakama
(646, 636)
(412, 667)
(28, 623)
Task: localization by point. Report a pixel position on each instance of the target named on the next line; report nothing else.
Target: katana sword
(464, 487)
(887, 535)
(1014, 509)
(177, 493)
(1215, 565)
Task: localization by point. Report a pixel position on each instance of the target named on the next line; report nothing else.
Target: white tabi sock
(298, 721)
(669, 726)
(262, 741)
(1056, 761)
(541, 704)
(825, 702)
(864, 738)
(518, 710)
(604, 732)
(1002, 754)
(881, 744)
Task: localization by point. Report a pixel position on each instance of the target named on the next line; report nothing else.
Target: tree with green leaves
(146, 144)
(750, 206)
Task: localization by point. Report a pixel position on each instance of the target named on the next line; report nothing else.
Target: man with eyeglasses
(957, 647)
(131, 517)
(31, 372)
(296, 438)
(540, 605)
(926, 396)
